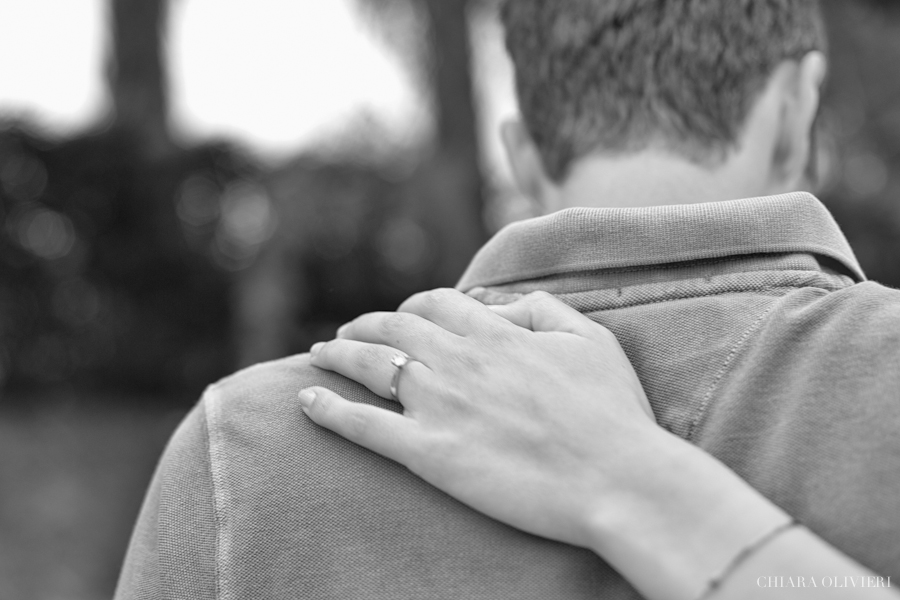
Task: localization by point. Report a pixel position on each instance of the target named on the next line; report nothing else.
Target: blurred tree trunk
(290, 278)
(453, 202)
(452, 80)
(136, 74)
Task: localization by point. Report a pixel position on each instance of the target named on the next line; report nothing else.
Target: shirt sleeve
(172, 549)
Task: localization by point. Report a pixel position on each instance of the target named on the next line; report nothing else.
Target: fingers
(384, 432)
(540, 311)
(368, 364)
(409, 333)
(452, 310)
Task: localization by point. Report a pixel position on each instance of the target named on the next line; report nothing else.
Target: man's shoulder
(265, 380)
(865, 316)
(292, 510)
(250, 427)
(243, 419)
(217, 470)
(269, 390)
(813, 338)
(255, 412)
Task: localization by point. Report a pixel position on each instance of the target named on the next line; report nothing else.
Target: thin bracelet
(741, 556)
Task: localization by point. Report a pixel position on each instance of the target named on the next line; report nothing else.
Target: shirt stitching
(707, 398)
(699, 294)
(472, 280)
(218, 485)
(701, 262)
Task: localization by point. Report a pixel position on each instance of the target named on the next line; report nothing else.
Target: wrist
(678, 519)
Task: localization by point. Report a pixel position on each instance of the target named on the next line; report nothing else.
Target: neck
(653, 178)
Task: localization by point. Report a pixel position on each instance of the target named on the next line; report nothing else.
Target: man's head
(716, 85)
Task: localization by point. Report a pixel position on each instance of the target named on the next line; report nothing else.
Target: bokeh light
(45, 233)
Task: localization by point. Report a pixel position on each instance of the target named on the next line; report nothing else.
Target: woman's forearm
(691, 529)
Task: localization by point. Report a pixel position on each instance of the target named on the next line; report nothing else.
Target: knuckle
(432, 299)
(444, 294)
(427, 301)
(391, 324)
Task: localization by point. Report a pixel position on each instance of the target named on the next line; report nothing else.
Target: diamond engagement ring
(399, 361)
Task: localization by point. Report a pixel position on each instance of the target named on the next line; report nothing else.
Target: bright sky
(274, 74)
(51, 60)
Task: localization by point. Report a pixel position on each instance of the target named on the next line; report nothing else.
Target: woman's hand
(529, 412)
(532, 414)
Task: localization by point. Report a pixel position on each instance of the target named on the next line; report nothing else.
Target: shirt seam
(705, 294)
(702, 262)
(524, 274)
(214, 448)
(723, 370)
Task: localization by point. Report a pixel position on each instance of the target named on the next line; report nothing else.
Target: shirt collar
(581, 239)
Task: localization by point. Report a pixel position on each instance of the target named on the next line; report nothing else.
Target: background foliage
(131, 264)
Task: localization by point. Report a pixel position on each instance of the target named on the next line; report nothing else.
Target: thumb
(540, 311)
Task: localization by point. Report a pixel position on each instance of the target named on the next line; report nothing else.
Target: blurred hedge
(99, 287)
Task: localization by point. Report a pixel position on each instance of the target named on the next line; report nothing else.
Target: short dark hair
(618, 75)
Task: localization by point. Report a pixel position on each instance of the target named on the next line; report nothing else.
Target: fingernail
(307, 397)
(342, 329)
(315, 348)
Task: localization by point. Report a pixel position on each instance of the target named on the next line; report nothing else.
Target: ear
(527, 167)
(800, 85)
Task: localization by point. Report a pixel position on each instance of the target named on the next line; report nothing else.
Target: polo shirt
(750, 324)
